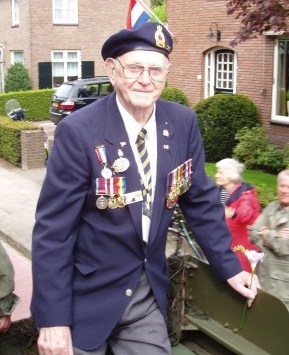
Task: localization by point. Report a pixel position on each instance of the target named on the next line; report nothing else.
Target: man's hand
(5, 323)
(245, 285)
(55, 341)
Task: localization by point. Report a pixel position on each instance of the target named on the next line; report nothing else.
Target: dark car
(73, 95)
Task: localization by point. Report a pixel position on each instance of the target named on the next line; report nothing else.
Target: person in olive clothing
(270, 233)
(8, 300)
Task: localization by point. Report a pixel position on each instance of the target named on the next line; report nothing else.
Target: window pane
(58, 55)
(72, 69)
(57, 69)
(72, 55)
(18, 57)
(65, 66)
(282, 78)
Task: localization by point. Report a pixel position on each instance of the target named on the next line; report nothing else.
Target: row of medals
(119, 166)
(176, 190)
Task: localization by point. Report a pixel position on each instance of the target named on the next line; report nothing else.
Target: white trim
(15, 13)
(1, 68)
(65, 60)
(274, 117)
(273, 33)
(210, 77)
(65, 20)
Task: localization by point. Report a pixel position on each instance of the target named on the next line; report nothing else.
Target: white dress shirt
(133, 127)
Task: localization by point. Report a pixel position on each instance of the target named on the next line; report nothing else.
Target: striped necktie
(143, 153)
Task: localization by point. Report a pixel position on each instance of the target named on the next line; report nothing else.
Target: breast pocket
(86, 266)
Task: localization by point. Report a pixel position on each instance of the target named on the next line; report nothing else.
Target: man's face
(137, 95)
(283, 190)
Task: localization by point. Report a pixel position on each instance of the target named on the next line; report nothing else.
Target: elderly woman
(241, 206)
(270, 232)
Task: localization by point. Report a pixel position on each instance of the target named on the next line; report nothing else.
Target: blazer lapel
(166, 153)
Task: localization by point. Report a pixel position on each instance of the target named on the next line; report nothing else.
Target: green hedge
(174, 94)
(10, 138)
(34, 102)
(221, 117)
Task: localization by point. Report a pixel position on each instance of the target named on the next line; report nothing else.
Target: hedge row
(10, 138)
(34, 102)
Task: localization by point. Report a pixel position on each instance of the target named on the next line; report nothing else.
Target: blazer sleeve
(205, 214)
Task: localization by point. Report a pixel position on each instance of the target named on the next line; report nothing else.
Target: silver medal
(120, 165)
(101, 203)
(106, 173)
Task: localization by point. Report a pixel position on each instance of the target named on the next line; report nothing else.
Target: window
(15, 12)
(65, 12)
(280, 111)
(17, 56)
(66, 65)
(220, 75)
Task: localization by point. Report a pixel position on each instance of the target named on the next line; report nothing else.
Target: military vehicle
(205, 317)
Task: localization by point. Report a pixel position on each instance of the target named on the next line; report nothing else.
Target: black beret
(150, 36)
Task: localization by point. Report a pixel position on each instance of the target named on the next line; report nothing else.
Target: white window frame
(69, 10)
(12, 57)
(65, 61)
(1, 68)
(15, 12)
(210, 72)
(274, 117)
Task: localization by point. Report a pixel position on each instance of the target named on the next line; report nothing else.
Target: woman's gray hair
(233, 167)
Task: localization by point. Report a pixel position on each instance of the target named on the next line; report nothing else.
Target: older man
(271, 233)
(117, 169)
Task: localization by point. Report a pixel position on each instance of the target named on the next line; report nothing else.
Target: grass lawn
(264, 183)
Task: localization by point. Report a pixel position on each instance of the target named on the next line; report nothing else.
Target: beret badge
(160, 39)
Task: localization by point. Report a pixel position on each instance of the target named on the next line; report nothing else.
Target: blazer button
(128, 292)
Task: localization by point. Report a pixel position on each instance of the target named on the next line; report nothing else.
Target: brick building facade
(203, 66)
(47, 35)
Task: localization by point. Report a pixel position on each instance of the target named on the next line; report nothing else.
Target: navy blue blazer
(84, 258)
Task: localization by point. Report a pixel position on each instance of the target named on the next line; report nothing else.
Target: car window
(63, 90)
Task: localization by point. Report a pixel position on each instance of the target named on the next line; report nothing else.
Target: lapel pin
(165, 133)
(165, 146)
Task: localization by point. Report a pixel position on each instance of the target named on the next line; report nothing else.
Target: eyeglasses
(135, 71)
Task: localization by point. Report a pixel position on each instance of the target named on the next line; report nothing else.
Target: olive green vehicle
(205, 317)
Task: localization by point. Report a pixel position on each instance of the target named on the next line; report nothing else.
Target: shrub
(220, 118)
(174, 94)
(250, 143)
(17, 78)
(255, 150)
(10, 138)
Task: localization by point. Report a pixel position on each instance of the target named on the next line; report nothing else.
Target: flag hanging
(136, 15)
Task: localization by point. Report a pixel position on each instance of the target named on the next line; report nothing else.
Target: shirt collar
(133, 127)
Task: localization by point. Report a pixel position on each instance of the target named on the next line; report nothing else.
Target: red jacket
(247, 208)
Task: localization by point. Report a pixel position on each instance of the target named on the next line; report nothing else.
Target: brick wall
(190, 22)
(32, 149)
(37, 36)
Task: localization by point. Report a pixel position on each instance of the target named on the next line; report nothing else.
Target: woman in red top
(241, 206)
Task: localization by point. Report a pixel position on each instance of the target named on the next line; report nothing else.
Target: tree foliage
(17, 78)
(258, 16)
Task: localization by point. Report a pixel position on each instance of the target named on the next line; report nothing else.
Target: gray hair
(233, 167)
(283, 173)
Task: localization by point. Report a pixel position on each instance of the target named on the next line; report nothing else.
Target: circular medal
(120, 165)
(106, 173)
(101, 203)
(112, 202)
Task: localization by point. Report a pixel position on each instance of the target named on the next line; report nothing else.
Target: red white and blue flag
(137, 15)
